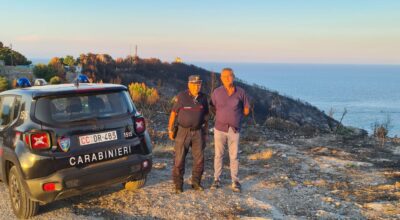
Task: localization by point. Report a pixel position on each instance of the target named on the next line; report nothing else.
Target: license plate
(98, 138)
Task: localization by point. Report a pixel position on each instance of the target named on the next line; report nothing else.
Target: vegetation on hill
(268, 107)
(57, 66)
(12, 57)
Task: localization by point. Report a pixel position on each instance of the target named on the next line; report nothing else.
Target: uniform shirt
(229, 109)
(191, 110)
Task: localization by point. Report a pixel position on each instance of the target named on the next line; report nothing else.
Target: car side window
(6, 110)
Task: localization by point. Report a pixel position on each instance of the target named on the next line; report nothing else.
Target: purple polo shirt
(229, 109)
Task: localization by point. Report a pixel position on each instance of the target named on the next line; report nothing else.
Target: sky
(264, 31)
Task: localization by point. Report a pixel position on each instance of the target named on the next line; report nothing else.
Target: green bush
(3, 83)
(44, 71)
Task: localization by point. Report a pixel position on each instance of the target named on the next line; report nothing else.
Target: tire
(134, 185)
(21, 204)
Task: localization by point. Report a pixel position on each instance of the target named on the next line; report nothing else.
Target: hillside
(270, 108)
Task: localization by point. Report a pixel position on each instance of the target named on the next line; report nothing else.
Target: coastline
(368, 99)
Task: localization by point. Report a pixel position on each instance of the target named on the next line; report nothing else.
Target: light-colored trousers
(232, 140)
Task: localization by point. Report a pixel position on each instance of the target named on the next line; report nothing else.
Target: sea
(368, 93)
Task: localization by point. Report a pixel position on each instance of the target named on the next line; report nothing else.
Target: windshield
(55, 109)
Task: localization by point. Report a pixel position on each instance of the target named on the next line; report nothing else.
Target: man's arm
(212, 104)
(172, 117)
(246, 104)
(246, 111)
(171, 125)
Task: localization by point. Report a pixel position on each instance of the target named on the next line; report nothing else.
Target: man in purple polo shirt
(230, 103)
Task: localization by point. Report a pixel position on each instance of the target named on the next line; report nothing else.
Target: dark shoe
(197, 186)
(216, 184)
(178, 190)
(236, 187)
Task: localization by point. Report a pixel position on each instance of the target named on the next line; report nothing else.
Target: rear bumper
(76, 181)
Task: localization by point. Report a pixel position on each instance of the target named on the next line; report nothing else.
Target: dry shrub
(153, 97)
(14, 83)
(381, 130)
(55, 80)
(136, 96)
(264, 155)
(140, 93)
(145, 99)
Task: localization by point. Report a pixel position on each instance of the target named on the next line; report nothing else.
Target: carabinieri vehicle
(58, 141)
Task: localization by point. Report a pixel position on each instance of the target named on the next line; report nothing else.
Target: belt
(190, 128)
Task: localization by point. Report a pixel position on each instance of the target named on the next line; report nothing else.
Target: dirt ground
(324, 177)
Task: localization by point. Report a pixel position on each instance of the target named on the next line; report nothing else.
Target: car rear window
(64, 109)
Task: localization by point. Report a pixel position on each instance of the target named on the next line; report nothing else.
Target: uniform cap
(194, 79)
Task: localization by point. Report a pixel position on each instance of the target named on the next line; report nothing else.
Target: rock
(396, 151)
(325, 215)
(159, 166)
(327, 199)
(386, 187)
(384, 207)
(264, 155)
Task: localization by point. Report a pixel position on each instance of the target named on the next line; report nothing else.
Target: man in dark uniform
(191, 108)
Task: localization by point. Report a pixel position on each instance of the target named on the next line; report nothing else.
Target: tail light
(48, 187)
(38, 140)
(51, 186)
(140, 125)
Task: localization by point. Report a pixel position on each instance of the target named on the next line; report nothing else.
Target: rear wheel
(136, 184)
(21, 204)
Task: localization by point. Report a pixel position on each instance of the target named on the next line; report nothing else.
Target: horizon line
(254, 62)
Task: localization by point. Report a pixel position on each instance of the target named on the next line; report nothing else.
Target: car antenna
(82, 79)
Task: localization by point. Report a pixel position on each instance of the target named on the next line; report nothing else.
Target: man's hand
(171, 125)
(171, 135)
(246, 111)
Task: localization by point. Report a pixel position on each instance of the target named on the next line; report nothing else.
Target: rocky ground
(283, 177)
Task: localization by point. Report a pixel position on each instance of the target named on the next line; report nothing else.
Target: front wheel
(136, 184)
(21, 204)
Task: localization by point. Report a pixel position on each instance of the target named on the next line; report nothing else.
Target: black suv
(58, 141)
